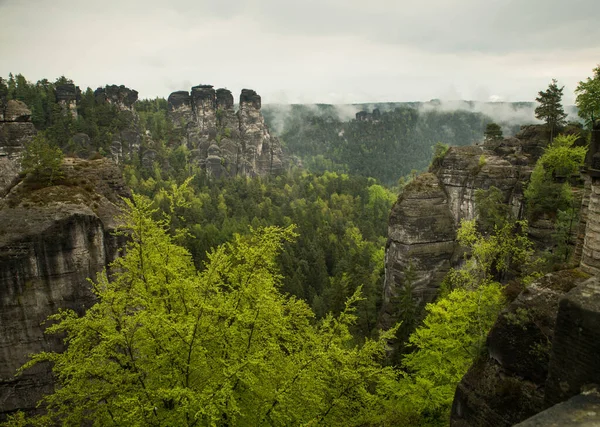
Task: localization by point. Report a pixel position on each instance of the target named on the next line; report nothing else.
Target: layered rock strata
(223, 141)
(423, 223)
(423, 243)
(509, 383)
(126, 143)
(16, 130)
(52, 239)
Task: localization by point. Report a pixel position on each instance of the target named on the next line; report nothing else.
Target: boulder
(580, 411)
(16, 111)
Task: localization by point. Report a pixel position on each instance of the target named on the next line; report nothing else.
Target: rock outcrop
(423, 223)
(575, 362)
(66, 97)
(223, 141)
(126, 143)
(580, 411)
(16, 130)
(543, 349)
(421, 238)
(509, 383)
(52, 239)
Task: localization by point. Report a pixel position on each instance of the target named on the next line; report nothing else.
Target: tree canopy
(493, 131)
(588, 98)
(42, 160)
(550, 109)
(166, 345)
(544, 194)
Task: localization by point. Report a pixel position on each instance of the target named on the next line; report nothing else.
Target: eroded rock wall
(16, 130)
(52, 239)
(421, 237)
(126, 143)
(223, 141)
(507, 384)
(423, 223)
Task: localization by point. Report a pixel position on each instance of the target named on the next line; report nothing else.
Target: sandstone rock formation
(543, 349)
(223, 141)
(52, 239)
(16, 130)
(127, 142)
(509, 383)
(580, 411)
(66, 96)
(423, 223)
(575, 362)
(420, 237)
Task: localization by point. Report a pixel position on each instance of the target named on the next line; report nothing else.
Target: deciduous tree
(166, 345)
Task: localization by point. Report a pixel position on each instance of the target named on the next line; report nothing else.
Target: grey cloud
(329, 51)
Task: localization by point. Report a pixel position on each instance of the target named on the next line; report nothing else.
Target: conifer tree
(493, 131)
(550, 109)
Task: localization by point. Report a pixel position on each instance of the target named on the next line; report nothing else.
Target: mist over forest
(321, 213)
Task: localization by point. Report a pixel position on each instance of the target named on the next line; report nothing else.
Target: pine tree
(550, 109)
(492, 132)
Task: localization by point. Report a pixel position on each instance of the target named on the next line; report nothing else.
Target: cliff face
(543, 348)
(421, 243)
(125, 143)
(15, 130)
(423, 223)
(223, 141)
(51, 240)
(507, 385)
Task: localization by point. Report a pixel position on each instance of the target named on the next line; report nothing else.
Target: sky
(308, 51)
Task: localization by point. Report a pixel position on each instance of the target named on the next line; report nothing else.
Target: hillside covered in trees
(258, 300)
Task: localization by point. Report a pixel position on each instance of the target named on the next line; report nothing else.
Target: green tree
(452, 336)
(561, 159)
(439, 152)
(492, 210)
(493, 131)
(491, 257)
(42, 160)
(550, 109)
(588, 98)
(166, 345)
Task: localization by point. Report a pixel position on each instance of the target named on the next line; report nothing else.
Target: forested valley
(257, 300)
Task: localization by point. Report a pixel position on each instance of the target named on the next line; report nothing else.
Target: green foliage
(342, 221)
(452, 337)
(386, 148)
(492, 210)
(42, 160)
(493, 131)
(565, 223)
(588, 98)
(99, 120)
(482, 161)
(439, 152)
(166, 345)
(492, 257)
(560, 159)
(550, 109)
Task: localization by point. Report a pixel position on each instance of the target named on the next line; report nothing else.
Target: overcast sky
(330, 51)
